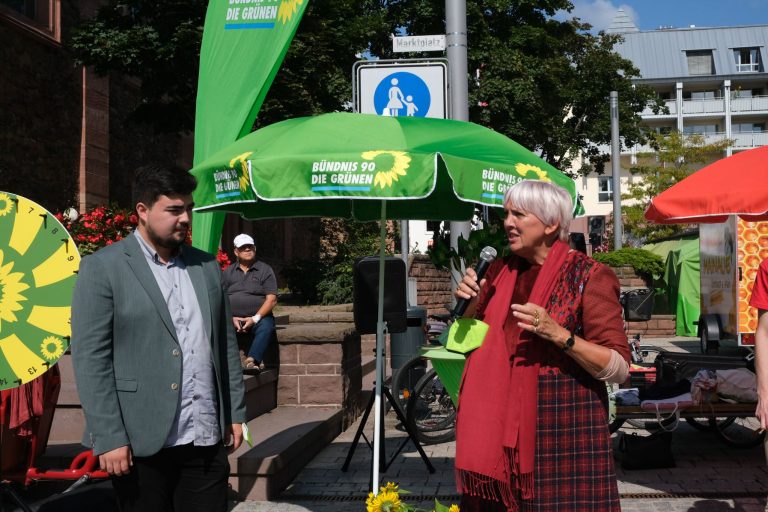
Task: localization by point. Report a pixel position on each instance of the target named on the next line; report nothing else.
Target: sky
(652, 14)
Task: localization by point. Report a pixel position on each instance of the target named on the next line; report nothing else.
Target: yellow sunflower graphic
(524, 169)
(287, 9)
(454, 508)
(52, 348)
(385, 501)
(5, 204)
(243, 160)
(385, 178)
(10, 291)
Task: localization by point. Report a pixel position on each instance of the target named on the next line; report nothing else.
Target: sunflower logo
(287, 9)
(400, 164)
(243, 160)
(524, 169)
(10, 291)
(5, 204)
(52, 348)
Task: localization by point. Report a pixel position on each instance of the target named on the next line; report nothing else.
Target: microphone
(487, 255)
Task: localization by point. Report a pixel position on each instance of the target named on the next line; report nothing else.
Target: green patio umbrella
(368, 167)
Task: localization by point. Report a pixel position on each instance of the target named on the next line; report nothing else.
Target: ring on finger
(536, 319)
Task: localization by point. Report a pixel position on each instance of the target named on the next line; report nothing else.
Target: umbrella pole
(380, 328)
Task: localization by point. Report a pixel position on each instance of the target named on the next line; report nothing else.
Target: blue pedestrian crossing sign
(401, 90)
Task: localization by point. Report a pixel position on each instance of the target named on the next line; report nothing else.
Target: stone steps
(325, 378)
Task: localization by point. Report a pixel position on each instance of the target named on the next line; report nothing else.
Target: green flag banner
(244, 43)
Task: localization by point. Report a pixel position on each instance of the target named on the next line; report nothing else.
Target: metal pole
(380, 340)
(405, 244)
(615, 170)
(456, 47)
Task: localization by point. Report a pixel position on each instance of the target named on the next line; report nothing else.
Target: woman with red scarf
(532, 426)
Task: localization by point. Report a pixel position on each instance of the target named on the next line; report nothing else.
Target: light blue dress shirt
(197, 410)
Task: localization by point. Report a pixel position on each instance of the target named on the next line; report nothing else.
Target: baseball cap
(243, 239)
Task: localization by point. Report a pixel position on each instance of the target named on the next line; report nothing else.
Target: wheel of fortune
(38, 270)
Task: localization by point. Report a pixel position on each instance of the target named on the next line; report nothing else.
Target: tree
(545, 83)
(675, 157)
(159, 42)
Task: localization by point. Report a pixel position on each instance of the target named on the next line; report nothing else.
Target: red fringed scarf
(496, 423)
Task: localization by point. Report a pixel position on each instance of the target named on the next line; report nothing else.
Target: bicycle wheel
(430, 412)
(405, 379)
(741, 432)
(704, 424)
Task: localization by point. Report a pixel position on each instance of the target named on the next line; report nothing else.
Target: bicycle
(423, 399)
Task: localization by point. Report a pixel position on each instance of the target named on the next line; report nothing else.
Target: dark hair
(152, 181)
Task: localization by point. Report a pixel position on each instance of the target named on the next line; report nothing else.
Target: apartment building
(713, 80)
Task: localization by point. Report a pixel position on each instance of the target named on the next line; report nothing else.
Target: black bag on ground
(646, 452)
(675, 366)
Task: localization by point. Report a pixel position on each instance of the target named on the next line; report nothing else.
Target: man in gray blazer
(155, 357)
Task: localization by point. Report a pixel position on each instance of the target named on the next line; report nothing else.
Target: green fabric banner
(244, 43)
(681, 280)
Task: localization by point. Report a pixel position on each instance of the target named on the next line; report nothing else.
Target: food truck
(730, 254)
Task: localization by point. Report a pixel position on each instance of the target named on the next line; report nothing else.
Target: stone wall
(320, 362)
(658, 325)
(433, 286)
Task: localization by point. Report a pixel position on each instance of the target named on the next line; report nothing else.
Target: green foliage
(492, 234)
(360, 239)
(645, 263)
(329, 280)
(529, 71)
(159, 42)
(676, 156)
(302, 278)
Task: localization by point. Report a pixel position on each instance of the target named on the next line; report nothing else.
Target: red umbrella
(737, 185)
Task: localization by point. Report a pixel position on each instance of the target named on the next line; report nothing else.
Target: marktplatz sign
(435, 43)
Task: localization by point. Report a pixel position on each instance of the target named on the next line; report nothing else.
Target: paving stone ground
(709, 476)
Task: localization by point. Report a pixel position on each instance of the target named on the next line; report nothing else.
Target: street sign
(435, 43)
(412, 88)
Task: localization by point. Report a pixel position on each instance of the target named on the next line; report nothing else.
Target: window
(701, 95)
(663, 130)
(39, 16)
(604, 189)
(700, 62)
(701, 129)
(747, 60)
(748, 127)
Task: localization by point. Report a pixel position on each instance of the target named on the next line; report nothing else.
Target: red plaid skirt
(574, 463)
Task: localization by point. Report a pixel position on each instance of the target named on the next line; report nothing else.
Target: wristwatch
(568, 343)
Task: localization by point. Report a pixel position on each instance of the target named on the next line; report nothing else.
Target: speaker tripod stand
(383, 463)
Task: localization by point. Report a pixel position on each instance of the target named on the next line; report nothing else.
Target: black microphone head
(488, 254)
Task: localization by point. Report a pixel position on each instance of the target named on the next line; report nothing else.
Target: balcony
(752, 104)
(670, 104)
(749, 140)
(706, 106)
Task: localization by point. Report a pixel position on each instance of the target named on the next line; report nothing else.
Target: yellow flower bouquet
(388, 500)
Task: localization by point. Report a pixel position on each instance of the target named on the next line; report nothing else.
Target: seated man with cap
(252, 290)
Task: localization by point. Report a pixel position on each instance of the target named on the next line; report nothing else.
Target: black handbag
(646, 452)
(675, 366)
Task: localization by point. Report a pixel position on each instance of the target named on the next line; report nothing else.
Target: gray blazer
(125, 351)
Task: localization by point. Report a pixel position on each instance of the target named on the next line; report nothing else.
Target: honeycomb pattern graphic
(753, 248)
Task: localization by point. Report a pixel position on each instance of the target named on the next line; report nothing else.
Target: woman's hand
(469, 289)
(535, 319)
